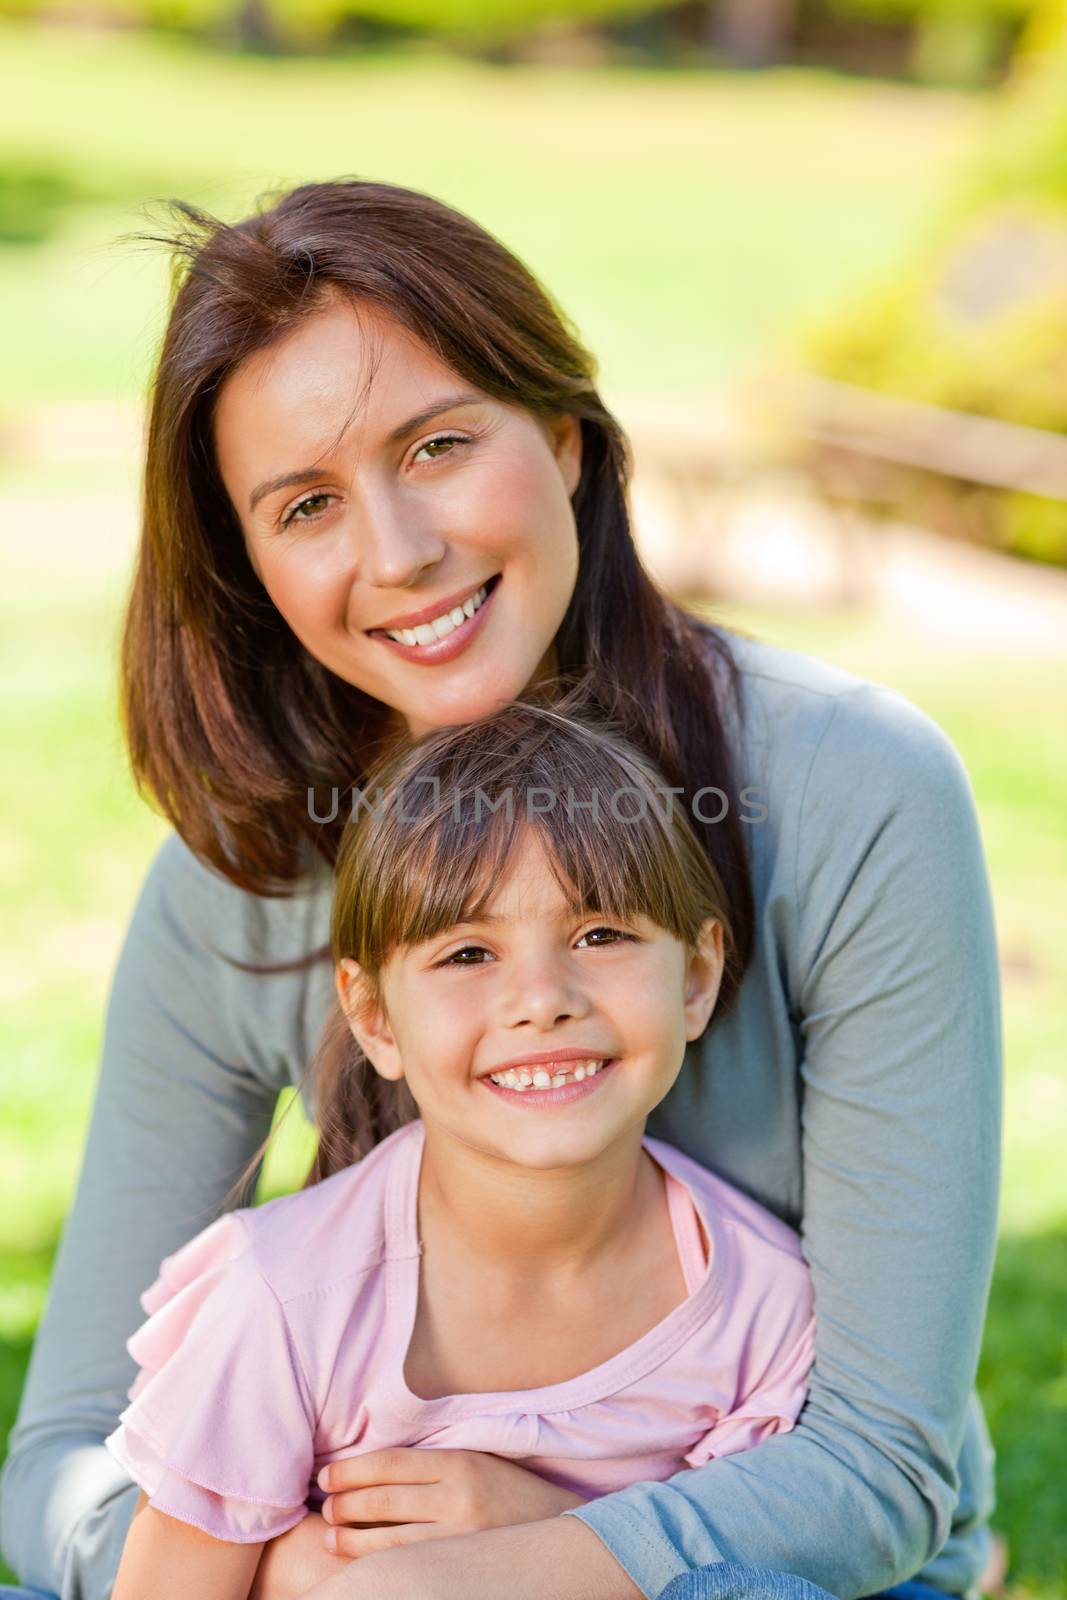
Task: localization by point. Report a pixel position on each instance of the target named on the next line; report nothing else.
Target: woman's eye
(441, 438)
(302, 505)
(610, 936)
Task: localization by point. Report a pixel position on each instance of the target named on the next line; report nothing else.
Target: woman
(382, 494)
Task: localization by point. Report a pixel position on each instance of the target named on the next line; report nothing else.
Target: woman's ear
(366, 1018)
(565, 432)
(703, 977)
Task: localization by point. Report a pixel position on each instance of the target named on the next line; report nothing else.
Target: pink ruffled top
(276, 1342)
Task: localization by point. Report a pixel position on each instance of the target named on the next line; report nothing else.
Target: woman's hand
(394, 1497)
(295, 1562)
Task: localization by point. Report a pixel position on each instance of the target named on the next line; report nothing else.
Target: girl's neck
(540, 1226)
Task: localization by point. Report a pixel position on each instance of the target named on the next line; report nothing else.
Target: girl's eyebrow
(494, 919)
(289, 480)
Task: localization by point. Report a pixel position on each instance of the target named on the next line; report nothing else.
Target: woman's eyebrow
(288, 480)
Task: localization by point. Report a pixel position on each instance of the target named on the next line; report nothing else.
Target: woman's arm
(892, 965)
(165, 1559)
(890, 942)
(185, 1095)
(554, 1560)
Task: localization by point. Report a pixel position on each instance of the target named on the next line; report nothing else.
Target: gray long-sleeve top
(854, 1089)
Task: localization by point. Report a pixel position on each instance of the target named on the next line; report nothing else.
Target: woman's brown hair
(229, 720)
(429, 838)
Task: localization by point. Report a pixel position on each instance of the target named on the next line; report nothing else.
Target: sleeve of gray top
(889, 942)
(184, 1098)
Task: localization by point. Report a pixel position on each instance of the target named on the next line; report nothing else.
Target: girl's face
(528, 987)
(419, 541)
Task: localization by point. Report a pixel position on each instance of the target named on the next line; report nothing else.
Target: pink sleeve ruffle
(772, 1407)
(220, 1427)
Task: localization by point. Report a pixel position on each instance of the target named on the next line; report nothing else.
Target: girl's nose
(392, 546)
(544, 996)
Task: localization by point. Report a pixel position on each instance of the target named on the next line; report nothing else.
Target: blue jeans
(717, 1582)
(725, 1581)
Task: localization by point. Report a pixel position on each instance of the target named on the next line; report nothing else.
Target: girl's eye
(459, 958)
(613, 935)
(319, 498)
(442, 438)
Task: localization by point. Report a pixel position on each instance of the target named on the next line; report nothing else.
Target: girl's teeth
(523, 1079)
(440, 627)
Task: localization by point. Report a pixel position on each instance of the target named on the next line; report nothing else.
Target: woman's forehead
(337, 380)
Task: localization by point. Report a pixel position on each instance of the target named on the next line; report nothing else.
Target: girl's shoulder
(758, 1277)
(304, 1242)
(290, 1247)
(724, 1206)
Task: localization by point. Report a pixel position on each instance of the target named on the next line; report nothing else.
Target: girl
(524, 941)
(383, 494)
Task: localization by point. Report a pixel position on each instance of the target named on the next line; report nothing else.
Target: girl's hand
(393, 1497)
(295, 1562)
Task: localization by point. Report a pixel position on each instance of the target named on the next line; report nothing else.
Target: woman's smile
(440, 631)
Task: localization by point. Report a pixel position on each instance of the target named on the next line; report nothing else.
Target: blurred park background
(820, 249)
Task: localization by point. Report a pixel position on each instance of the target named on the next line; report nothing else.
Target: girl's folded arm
(165, 1559)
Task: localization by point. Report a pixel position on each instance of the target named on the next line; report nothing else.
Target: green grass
(686, 220)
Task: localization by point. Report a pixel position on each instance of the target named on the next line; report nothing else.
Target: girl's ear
(367, 1019)
(703, 977)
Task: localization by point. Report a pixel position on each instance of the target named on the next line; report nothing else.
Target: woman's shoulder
(182, 887)
(815, 735)
(194, 933)
(802, 708)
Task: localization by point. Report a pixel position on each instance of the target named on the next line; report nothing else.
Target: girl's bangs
(445, 872)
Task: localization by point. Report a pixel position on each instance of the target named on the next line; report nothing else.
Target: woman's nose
(392, 544)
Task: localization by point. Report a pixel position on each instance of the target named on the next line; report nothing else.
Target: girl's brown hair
(229, 720)
(429, 837)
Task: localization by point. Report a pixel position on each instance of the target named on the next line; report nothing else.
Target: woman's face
(428, 560)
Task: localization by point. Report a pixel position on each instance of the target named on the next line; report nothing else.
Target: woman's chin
(467, 702)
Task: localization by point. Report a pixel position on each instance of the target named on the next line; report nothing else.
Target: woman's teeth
(538, 1078)
(430, 632)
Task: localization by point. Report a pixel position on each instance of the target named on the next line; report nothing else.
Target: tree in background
(954, 41)
(751, 33)
(977, 321)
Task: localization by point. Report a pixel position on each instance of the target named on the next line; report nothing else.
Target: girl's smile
(399, 518)
(543, 1088)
